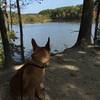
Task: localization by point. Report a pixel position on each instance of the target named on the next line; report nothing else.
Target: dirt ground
(71, 75)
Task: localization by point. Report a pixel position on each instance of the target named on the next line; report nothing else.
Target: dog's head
(41, 54)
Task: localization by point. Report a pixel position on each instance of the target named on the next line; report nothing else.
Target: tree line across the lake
(62, 14)
(68, 13)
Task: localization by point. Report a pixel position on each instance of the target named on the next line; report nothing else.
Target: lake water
(62, 35)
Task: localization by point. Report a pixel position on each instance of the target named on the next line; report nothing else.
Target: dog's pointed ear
(47, 46)
(34, 44)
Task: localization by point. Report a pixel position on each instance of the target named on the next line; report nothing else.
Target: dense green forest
(69, 13)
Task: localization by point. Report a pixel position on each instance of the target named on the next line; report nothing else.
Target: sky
(35, 7)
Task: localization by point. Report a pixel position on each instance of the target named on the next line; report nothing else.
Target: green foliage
(11, 35)
(69, 12)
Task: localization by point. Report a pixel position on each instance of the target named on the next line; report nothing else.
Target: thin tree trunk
(84, 37)
(5, 41)
(6, 15)
(21, 31)
(10, 16)
(97, 20)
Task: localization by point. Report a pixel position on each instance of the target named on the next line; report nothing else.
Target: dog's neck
(38, 64)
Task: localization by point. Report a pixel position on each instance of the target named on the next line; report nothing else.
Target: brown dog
(26, 82)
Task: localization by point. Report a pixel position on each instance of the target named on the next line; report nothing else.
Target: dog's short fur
(26, 82)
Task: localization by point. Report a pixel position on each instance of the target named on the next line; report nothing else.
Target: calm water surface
(62, 35)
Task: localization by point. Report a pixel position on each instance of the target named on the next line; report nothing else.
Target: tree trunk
(21, 31)
(6, 15)
(84, 37)
(96, 22)
(10, 16)
(5, 41)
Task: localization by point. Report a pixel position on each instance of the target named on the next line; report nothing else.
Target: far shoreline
(71, 21)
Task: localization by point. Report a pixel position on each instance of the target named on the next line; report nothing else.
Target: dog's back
(27, 80)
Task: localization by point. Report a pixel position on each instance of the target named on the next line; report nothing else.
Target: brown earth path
(71, 75)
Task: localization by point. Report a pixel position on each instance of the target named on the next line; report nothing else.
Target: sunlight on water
(62, 35)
